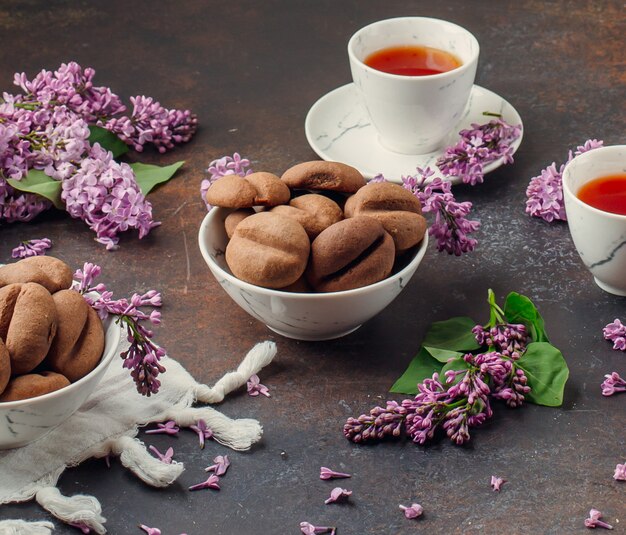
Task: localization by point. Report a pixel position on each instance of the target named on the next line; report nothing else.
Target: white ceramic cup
(413, 114)
(599, 237)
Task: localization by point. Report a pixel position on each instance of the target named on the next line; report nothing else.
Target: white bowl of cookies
(315, 253)
(54, 349)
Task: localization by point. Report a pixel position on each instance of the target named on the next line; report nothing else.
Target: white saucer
(338, 129)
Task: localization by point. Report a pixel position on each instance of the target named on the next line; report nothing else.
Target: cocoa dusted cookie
(234, 218)
(256, 189)
(79, 341)
(314, 212)
(53, 274)
(399, 211)
(268, 250)
(350, 254)
(32, 385)
(5, 366)
(320, 175)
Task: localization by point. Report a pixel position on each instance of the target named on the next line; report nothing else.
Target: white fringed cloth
(106, 425)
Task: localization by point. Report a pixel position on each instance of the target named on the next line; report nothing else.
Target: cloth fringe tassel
(80, 509)
(20, 527)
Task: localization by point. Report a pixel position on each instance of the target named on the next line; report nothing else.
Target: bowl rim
(213, 214)
(105, 360)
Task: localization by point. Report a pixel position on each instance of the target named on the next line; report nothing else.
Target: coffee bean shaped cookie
(268, 250)
(53, 274)
(79, 341)
(396, 208)
(314, 212)
(350, 254)
(234, 218)
(256, 189)
(32, 385)
(5, 366)
(31, 326)
(320, 175)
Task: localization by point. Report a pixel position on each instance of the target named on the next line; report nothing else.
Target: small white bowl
(27, 420)
(303, 316)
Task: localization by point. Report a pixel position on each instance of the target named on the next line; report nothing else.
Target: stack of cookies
(49, 335)
(320, 228)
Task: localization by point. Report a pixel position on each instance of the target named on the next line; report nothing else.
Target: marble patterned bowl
(303, 316)
(27, 420)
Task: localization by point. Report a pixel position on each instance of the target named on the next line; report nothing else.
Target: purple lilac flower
(255, 387)
(309, 529)
(613, 384)
(616, 333)
(415, 510)
(545, 191)
(150, 531)
(477, 147)
(168, 428)
(337, 495)
(35, 247)
(79, 525)
(203, 430)
(219, 466)
(211, 483)
(620, 472)
(105, 195)
(152, 123)
(327, 473)
(594, 520)
(163, 457)
(226, 165)
(497, 482)
(510, 339)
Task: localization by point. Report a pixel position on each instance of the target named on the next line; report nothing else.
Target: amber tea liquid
(412, 60)
(607, 193)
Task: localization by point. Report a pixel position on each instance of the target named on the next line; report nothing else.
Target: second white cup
(414, 114)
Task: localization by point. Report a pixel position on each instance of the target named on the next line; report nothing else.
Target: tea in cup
(415, 76)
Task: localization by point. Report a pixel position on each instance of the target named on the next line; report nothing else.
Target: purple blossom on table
(150, 531)
(255, 387)
(545, 191)
(476, 148)
(105, 194)
(82, 527)
(211, 483)
(620, 472)
(327, 473)
(168, 428)
(34, 247)
(203, 431)
(338, 495)
(226, 165)
(309, 529)
(152, 123)
(220, 465)
(594, 520)
(163, 457)
(414, 510)
(616, 333)
(613, 384)
(497, 482)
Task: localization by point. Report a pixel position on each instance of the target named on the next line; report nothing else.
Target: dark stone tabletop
(251, 71)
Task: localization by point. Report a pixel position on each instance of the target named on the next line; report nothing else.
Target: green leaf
(442, 355)
(547, 373)
(519, 309)
(38, 182)
(456, 364)
(149, 176)
(421, 367)
(108, 140)
(454, 334)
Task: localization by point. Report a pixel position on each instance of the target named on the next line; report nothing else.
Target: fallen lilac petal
(620, 472)
(338, 494)
(594, 520)
(221, 465)
(497, 482)
(35, 247)
(211, 483)
(327, 473)
(83, 527)
(613, 384)
(168, 428)
(414, 511)
(309, 529)
(616, 333)
(150, 531)
(203, 430)
(255, 387)
(163, 457)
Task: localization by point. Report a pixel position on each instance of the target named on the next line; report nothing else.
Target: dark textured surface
(251, 71)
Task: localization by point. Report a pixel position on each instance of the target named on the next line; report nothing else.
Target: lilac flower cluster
(226, 165)
(36, 247)
(545, 191)
(255, 387)
(459, 401)
(478, 146)
(616, 333)
(143, 356)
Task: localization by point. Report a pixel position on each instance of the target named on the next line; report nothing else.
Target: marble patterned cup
(413, 114)
(599, 237)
